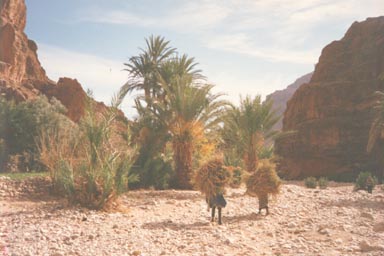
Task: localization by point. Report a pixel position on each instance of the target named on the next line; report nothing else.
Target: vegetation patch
(310, 182)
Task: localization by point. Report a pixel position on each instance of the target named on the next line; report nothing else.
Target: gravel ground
(334, 221)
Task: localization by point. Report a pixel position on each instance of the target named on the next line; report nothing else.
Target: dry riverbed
(334, 221)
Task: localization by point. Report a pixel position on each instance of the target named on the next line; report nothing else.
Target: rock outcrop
(281, 97)
(332, 114)
(21, 75)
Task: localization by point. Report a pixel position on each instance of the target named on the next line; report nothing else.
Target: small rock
(324, 231)
(366, 247)
(136, 253)
(115, 226)
(379, 227)
(366, 215)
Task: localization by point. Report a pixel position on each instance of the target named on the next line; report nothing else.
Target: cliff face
(332, 114)
(21, 75)
(281, 97)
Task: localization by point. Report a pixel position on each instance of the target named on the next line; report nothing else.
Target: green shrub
(237, 176)
(84, 164)
(266, 152)
(157, 172)
(22, 123)
(310, 182)
(361, 181)
(323, 183)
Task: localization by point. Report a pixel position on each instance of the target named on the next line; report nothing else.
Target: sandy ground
(334, 221)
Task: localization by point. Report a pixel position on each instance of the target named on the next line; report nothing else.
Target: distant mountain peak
(281, 97)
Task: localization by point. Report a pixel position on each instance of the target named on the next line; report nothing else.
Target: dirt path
(335, 221)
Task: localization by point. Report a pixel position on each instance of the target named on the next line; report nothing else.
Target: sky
(244, 47)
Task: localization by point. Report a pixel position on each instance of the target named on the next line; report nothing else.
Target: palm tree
(376, 132)
(143, 69)
(189, 112)
(246, 128)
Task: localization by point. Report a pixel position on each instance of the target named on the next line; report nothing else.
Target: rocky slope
(281, 97)
(21, 75)
(332, 114)
(334, 221)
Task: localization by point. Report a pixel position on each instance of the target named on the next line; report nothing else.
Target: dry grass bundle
(212, 178)
(264, 181)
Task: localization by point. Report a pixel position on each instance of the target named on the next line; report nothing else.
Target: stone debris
(335, 221)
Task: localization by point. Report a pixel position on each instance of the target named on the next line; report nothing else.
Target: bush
(84, 165)
(156, 172)
(323, 183)
(310, 182)
(22, 123)
(266, 152)
(237, 176)
(361, 181)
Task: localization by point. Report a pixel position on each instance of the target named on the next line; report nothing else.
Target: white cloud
(234, 86)
(267, 29)
(193, 15)
(103, 76)
(243, 44)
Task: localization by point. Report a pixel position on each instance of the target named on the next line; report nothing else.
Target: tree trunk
(251, 161)
(183, 163)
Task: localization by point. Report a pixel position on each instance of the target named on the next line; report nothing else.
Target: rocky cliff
(332, 114)
(281, 97)
(21, 75)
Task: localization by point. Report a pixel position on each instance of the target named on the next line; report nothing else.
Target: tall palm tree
(143, 69)
(246, 128)
(190, 110)
(178, 105)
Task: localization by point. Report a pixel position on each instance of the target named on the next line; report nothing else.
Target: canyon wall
(21, 75)
(329, 118)
(281, 97)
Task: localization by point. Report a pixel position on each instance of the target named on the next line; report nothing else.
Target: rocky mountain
(21, 75)
(281, 97)
(331, 115)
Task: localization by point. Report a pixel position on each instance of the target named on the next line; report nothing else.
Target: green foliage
(246, 127)
(21, 124)
(361, 181)
(310, 182)
(237, 177)
(323, 182)
(84, 164)
(266, 152)
(156, 172)
(175, 106)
